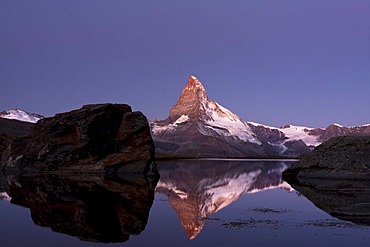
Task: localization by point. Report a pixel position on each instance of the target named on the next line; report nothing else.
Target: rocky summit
(190, 102)
(102, 137)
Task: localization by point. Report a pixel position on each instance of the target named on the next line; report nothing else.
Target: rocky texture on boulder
(15, 128)
(102, 137)
(13, 133)
(346, 157)
(90, 207)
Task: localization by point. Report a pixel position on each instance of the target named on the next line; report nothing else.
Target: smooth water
(196, 203)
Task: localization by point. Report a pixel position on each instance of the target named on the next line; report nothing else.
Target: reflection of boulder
(197, 189)
(344, 199)
(104, 137)
(89, 207)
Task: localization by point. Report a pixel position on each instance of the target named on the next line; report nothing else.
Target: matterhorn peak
(194, 85)
(191, 100)
(194, 82)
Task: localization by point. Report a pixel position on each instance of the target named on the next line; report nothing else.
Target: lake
(194, 203)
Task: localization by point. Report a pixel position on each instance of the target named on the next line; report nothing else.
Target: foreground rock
(92, 208)
(13, 133)
(104, 137)
(335, 176)
(346, 157)
(15, 128)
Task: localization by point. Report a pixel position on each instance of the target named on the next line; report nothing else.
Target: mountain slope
(21, 115)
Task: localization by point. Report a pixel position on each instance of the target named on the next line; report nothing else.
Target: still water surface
(195, 203)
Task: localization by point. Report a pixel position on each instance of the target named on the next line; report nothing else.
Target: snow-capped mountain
(194, 105)
(4, 196)
(21, 115)
(200, 127)
(197, 190)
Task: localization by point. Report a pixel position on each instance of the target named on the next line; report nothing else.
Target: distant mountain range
(200, 127)
(21, 115)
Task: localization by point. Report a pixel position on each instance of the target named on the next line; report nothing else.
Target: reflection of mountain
(89, 207)
(196, 189)
(344, 199)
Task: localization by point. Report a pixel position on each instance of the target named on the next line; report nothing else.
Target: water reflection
(347, 200)
(92, 208)
(197, 189)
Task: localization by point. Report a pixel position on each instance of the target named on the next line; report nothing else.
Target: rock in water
(103, 137)
(346, 157)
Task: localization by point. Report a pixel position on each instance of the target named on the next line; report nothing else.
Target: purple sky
(272, 62)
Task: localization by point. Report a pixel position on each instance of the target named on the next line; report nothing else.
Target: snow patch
(171, 187)
(20, 115)
(338, 125)
(227, 123)
(284, 185)
(225, 191)
(181, 119)
(5, 197)
(170, 127)
(294, 133)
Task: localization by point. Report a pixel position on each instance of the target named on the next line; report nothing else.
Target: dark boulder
(102, 137)
(346, 157)
(13, 140)
(335, 176)
(15, 128)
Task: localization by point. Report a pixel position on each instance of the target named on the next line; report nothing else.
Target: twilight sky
(272, 62)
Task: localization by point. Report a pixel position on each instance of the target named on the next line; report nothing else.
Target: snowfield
(20, 115)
